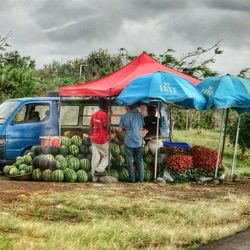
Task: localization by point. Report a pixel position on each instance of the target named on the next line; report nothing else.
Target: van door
(32, 120)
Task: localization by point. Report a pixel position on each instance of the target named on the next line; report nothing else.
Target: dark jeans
(136, 153)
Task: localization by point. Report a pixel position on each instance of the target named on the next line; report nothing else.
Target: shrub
(244, 135)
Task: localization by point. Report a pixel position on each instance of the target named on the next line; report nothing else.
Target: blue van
(23, 121)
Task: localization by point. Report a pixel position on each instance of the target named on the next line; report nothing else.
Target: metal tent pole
(157, 140)
(220, 144)
(109, 132)
(235, 148)
(59, 116)
(224, 136)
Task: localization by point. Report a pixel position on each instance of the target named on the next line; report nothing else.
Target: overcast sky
(61, 30)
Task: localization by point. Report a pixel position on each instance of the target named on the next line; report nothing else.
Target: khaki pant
(100, 158)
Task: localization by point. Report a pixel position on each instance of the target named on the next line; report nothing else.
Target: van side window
(32, 112)
(117, 111)
(69, 115)
(88, 111)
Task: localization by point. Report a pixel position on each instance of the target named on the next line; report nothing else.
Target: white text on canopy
(165, 88)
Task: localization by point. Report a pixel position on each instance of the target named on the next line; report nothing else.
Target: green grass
(122, 217)
(210, 139)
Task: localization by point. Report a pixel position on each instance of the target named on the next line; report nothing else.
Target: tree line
(19, 76)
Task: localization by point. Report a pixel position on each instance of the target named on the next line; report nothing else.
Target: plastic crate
(183, 145)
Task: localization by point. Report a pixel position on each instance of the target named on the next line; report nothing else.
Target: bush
(244, 135)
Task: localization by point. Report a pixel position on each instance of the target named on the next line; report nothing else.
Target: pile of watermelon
(118, 163)
(23, 165)
(71, 161)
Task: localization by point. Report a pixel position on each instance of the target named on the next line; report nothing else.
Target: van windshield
(6, 109)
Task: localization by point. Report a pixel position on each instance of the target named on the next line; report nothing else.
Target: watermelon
(80, 156)
(23, 167)
(35, 161)
(58, 175)
(14, 171)
(89, 156)
(47, 175)
(85, 164)
(20, 160)
(22, 172)
(36, 149)
(145, 166)
(65, 141)
(68, 157)
(114, 173)
(53, 150)
(55, 142)
(70, 175)
(89, 176)
(76, 140)
(59, 157)
(37, 175)
(63, 150)
(44, 163)
(52, 164)
(32, 154)
(148, 175)
(82, 176)
(123, 175)
(120, 160)
(90, 149)
(122, 150)
(83, 149)
(50, 157)
(28, 169)
(146, 150)
(74, 150)
(115, 150)
(86, 142)
(149, 158)
(74, 163)
(7, 168)
(61, 162)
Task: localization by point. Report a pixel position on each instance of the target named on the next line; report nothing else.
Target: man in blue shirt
(132, 122)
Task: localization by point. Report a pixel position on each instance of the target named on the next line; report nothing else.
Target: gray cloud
(62, 30)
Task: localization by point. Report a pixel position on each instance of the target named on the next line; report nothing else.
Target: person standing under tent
(99, 126)
(151, 121)
(132, 122)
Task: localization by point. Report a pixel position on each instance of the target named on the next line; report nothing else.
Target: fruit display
(71, 161)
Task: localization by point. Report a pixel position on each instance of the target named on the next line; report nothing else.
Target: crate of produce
(183, 145)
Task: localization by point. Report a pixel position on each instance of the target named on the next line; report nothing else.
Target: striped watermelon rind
(74, 163)
(85, 164)
(37, 174)
(58, 175)
(76, 140)
(82, 176)
(74, 150)
(70, 175)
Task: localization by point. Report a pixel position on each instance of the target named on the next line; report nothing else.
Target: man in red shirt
(99, 125)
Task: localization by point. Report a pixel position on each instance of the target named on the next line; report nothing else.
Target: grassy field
(125, 216)
(211, 139)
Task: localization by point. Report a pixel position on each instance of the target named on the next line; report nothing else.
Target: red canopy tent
(114, 83)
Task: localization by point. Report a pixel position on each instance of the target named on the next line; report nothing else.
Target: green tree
(17, 76)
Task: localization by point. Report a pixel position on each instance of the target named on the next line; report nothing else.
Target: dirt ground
(11, 191)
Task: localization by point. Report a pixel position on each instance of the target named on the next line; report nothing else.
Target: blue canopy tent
(224, 92)
(162, 86)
